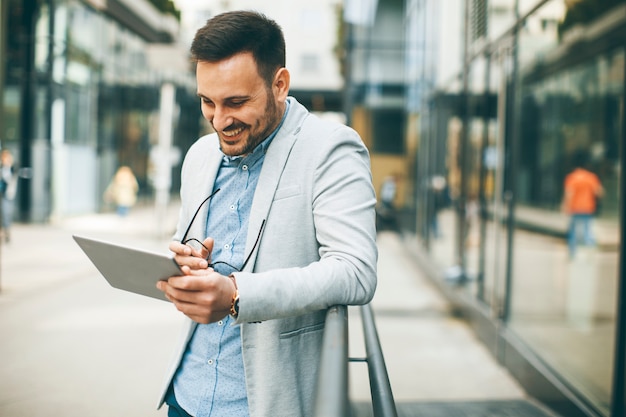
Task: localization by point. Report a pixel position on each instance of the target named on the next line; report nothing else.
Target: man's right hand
(186, 255)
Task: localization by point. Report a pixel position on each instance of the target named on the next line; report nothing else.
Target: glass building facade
(537, 90)
(81, 99)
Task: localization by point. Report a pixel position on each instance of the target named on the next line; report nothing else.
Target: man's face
(237, 102)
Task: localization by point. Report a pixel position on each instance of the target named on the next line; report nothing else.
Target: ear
(280, 86)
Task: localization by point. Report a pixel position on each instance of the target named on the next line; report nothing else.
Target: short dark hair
(230, 33)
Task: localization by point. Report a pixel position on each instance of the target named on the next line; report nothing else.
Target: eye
(236, 103)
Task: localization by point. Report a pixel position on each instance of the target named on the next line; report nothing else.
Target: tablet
(128, 268)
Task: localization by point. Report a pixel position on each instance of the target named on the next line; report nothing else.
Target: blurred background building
(500, 97)
(480, 107)
(81, 96)
(313, 59)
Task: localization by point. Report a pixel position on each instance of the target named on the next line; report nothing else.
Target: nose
(221, 118)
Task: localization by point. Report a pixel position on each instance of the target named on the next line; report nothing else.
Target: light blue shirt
(210, 380)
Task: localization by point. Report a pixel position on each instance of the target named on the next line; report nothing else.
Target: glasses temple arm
(196, 214)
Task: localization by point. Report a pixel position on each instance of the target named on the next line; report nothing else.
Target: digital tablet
(127, 268)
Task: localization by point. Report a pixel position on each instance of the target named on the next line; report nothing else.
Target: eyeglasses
(186, 241)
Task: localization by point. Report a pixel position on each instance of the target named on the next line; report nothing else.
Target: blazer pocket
(302, 330)
(287, 192)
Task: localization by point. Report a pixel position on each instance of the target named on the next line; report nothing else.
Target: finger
(167, 286)
(199, 253)
(183, 255)
(193, 262)
(207, 247)
(179, 248)
(194, 280)
(163, 286)
(177, 296)
(187, 270)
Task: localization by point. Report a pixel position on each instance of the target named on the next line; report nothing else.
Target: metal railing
(332, 396)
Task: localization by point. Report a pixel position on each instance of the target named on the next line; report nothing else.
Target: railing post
(331, 398)
(382, 398)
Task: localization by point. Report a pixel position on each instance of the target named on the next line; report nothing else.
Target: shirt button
(227, 246)
(210, 362)
(220, 323)
(244, 167)
(232, 207)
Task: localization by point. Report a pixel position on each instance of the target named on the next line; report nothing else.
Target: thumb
(208, 247)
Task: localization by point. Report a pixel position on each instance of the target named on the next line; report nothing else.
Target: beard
(257, 133)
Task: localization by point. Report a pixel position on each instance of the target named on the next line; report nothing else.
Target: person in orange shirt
(582, 189)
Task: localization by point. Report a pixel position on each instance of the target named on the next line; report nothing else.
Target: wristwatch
(234, 306)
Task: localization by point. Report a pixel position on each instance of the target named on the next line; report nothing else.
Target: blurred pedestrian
(388, 191)
(441, 200)
(582, 189)
(386, 212)
(122, 191)
(276, 225)
(8, 190)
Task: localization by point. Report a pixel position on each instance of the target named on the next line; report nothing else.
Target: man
(283, 205)
(582, 189)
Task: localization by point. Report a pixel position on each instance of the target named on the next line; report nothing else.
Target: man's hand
(186, 255)
(204, 296)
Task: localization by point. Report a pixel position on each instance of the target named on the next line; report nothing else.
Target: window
(388, 131)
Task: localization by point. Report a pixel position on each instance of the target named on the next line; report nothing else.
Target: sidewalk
(40, 256)
(436, 365)
(435, 362)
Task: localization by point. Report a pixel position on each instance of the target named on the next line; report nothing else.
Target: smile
(232, 133)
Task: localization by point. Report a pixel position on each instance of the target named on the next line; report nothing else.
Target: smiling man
(277, 224)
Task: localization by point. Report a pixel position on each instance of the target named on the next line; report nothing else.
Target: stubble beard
(263, 127)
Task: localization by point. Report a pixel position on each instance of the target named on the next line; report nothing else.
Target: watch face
(234, 307)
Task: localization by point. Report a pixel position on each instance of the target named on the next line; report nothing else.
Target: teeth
(232, 133)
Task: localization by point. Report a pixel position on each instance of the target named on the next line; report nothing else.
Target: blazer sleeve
(318, 249)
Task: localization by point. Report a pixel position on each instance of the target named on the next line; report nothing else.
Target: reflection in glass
(494, 207)
(563, 302)
(444, 199)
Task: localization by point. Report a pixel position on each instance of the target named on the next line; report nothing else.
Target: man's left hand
(204, 296)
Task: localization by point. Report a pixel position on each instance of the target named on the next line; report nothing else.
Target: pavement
(436, 365)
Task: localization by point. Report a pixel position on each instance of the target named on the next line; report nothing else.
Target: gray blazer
(317, 249)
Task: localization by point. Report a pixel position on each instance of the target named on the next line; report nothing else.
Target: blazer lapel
(273, 166)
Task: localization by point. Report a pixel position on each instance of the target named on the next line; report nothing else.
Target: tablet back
(128, 268)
